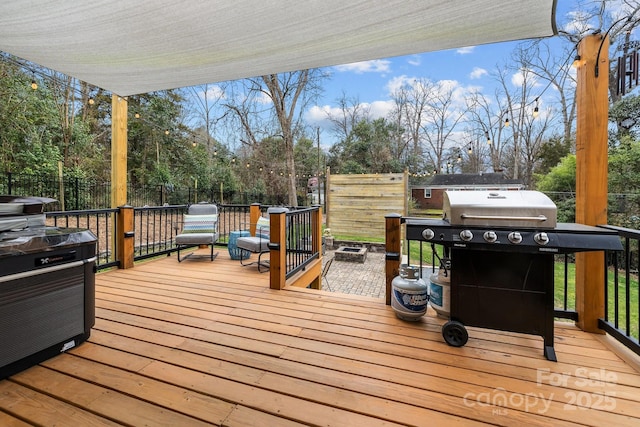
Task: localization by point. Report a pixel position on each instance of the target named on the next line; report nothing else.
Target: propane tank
(440, 289)
(410, 294)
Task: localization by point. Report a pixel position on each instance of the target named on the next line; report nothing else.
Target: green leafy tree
(560, 185)
(367, 149)
(624, 183)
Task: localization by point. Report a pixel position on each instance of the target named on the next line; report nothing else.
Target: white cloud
(213, 93)
(519, 78)
(477, 73)
(465, 50)
(397, 82)
(379, 109)
(414, 60)
(375, 66)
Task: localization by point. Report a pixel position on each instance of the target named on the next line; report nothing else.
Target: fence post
(316, 233)
(9, 179)
(277, 248)
(125, 237)
(77, 193)
(392, 251)
(254, 214)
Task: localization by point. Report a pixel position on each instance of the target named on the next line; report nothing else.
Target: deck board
(208, 343)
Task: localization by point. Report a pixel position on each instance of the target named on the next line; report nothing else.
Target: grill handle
(540, 218)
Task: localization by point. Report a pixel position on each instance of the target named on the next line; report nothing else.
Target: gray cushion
(203, 209)
(253, 244)
(197, 238)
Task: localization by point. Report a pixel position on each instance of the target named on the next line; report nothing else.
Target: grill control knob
(466, 235)
(541, 238)
(490, 236)
(428, 234)
(515, 237)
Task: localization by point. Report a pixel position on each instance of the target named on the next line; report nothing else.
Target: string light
(34, 85)
(535, 110)
(506, 122)
(486, 134)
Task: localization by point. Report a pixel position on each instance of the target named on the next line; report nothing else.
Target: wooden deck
(208, 343)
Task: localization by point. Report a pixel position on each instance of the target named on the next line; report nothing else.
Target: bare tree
(538, 58)
(207, 100)
(271, 105)
(442, 117)
(350, 112)
(488, 115)
(411, 100)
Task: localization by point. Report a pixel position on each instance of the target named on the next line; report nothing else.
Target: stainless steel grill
(501, 245)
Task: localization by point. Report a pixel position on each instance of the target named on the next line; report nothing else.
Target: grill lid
(521, 208)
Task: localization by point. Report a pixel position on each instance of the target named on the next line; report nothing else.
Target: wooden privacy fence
(357, 204)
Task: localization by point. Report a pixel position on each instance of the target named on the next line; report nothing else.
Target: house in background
(429, 196)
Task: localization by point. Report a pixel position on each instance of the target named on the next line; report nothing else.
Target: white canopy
(138, 46)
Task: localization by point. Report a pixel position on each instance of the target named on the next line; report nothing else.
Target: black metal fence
(76, 193)
(622, 297)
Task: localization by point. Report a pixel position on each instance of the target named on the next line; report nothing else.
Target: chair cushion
(263, 226)
(203, 209)
(253, 244)
(200, 224)
(196, 238)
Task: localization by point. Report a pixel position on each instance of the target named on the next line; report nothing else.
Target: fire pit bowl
(351, 254)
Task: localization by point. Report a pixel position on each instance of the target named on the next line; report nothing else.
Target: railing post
(592, 107)
(277, 248)
(254, 214)
(392, 248)
(125, 240)
(316, 232)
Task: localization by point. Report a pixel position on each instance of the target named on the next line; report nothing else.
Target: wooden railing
(295, 246)
(127, 234)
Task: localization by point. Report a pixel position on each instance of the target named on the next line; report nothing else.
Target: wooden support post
(392, 248)
(592, 105)
(254, 214)
(316, 243)
(118, 168)
(278, 248)
(118, 151)
(125, 238)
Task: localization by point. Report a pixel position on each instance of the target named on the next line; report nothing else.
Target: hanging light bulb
(136, 115)
(91, 101)
(506, 122)
(576, 61)
(486, 133)
(459, 157)
(34, 85)
(470, 150)
(166, 132)
(535, 110)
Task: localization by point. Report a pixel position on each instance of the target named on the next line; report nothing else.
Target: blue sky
(370, 81)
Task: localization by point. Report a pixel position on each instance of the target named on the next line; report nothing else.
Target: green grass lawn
(622, 292)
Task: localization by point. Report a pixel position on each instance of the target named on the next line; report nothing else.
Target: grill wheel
(454, 333)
